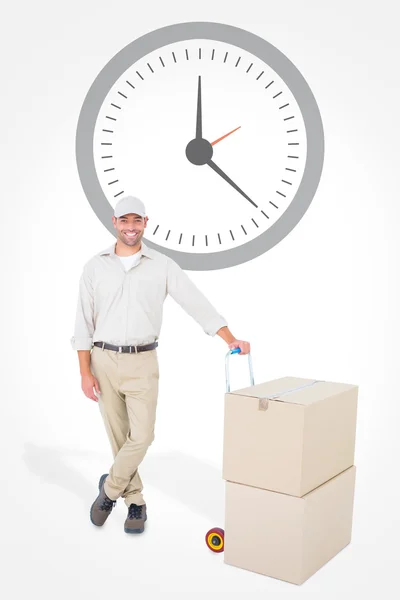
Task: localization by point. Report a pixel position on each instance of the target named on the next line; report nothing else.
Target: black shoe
(137, 515)
(102, 506)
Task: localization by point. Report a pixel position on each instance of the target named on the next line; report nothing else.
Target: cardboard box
(287, 537)
(289, 435)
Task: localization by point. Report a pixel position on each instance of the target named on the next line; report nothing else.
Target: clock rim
(249, 42)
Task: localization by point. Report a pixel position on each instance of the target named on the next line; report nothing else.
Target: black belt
(129, 349)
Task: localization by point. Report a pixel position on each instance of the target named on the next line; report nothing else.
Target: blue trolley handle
(236, 351)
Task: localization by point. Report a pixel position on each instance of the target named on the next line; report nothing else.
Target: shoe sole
(102, 478)
(141, 530)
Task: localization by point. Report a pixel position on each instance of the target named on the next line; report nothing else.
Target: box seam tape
(264, 401)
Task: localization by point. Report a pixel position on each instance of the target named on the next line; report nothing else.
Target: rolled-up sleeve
(84, 321)
(182, 289)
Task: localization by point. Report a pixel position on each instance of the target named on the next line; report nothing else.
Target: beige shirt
(124, 307)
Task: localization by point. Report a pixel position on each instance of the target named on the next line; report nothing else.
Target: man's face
(130, 228)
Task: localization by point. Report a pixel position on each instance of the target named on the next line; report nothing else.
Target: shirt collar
(145, 250)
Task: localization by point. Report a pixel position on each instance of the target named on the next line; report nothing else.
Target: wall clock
(215, 130)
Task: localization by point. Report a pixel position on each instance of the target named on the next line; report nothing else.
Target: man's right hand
(89, 382)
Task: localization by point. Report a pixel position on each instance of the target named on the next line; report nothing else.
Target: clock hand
(212, 164)
(224, 136)
(199, 132)
(200, 151)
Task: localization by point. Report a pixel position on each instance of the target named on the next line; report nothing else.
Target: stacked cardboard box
(288, 465)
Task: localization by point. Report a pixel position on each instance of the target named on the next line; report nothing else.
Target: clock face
(214, 130)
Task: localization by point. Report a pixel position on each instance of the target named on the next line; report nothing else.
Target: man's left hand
(244, 346)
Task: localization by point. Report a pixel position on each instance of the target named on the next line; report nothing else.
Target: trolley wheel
(215, 539)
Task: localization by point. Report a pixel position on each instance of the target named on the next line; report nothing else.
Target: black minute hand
(199, 131)
(212, 164)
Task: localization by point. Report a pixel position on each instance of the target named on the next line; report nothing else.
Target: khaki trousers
(128, 400)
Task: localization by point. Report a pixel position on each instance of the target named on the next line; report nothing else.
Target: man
(118, 322)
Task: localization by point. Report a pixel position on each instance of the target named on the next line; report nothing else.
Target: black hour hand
(212, 164)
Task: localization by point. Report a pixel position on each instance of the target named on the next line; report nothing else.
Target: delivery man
(118, 323)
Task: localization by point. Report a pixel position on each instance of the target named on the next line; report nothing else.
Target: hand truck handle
(236, 351)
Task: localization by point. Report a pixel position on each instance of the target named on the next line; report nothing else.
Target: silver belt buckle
(120, 349)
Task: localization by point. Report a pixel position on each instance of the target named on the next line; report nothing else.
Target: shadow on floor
(184, 478)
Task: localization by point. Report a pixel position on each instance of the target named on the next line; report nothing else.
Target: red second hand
(224, 136)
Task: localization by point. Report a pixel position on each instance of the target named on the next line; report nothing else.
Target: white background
(322, 304)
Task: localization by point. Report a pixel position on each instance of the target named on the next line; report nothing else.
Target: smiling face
(130, 229)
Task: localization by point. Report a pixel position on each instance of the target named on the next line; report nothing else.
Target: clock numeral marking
(231, 234)
(293, 157)
(111, 118)
(284, 105)
(238, 61)
(106, 143)
(106, 157)
(293, 170)
(288, 118)
(193, 240)
(267, 86)
(284, 181)
(219, 238)
(293, 144)
(265, 214)
(200, 53)
(115, 181)
(115, 106)
(212, 56)
(169, 231)
(180, 237)
(254, 222)
(119, 193)
(206, 241)
(187, 54)
(173, 54)
(137, 73)
(162, 62)
(276, 95)
(107, 130)
(243, 229)
(291, 130)
(150, 67)
(273, 204)
(106, 170)
(129, 83)
(280, 194)
(226, 56)
(155, 229)
(262, 73)
(123, 95)
(249, 68)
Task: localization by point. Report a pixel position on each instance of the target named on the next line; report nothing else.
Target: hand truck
(215, 536)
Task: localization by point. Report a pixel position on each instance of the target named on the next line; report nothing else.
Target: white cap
(129, 204)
